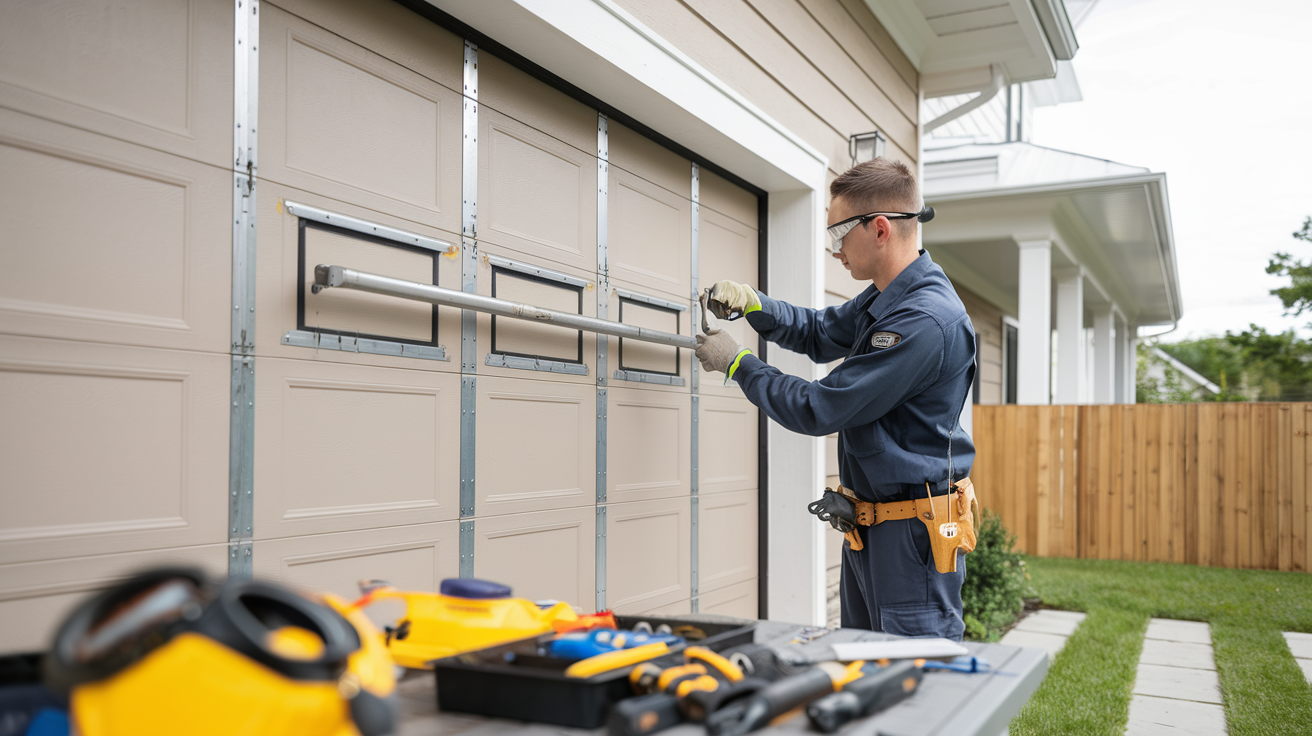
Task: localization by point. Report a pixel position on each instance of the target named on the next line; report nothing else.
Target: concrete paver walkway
(1300, 645)
(1046, 629)
(1176, 690)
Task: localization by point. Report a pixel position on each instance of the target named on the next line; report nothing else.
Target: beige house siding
(825, 69)
(988, 324)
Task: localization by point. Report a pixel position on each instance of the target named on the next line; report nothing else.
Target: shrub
(996, 581)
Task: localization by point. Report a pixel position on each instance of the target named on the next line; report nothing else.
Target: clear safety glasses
(839, 229)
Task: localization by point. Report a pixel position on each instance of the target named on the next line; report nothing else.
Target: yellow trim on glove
(734, 365)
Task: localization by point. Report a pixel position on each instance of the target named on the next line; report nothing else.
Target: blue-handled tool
(584, 644)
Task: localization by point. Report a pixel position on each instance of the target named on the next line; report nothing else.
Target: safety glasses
(839, 229)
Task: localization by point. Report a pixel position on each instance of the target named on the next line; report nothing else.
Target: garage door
(400, 440)
(161, 405)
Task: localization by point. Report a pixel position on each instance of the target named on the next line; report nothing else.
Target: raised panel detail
(349, 447)
(410, 557)
(536, 194)
(728, 444)
(543, 556)
(109, 449)
(648, 444)
(649, 233)
(107, 258)
(355, 126)
(728, 250)
(738, 600)
(640, 155)
(349, 312)
(535, 446)
(727, 198)
(648, 554)
(727, 539)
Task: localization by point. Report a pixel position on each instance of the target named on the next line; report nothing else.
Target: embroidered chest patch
(885, 339)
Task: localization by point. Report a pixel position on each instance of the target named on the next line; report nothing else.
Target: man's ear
(883, 230)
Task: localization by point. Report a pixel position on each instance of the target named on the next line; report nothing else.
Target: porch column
(1104, 356)
(1034, 312)
(1126, 362)
(1070, 335)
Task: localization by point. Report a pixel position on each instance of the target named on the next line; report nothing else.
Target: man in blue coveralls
(895, 400)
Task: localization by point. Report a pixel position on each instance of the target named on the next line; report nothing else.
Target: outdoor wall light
(863, 147)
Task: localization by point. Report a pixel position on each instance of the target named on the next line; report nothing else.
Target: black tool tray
(528, 687)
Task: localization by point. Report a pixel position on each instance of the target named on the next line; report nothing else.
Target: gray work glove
(717, 350)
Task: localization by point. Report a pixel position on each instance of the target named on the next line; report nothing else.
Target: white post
(1070, 335)
(1104, 356)
(1034, 348)
(1126, 362)
(796, 557)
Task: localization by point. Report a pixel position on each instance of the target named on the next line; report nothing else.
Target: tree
(1297, 297)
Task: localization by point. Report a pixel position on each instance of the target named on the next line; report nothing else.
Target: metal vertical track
(468, 319)
(696, 399)
(241, 422)
(603, 312)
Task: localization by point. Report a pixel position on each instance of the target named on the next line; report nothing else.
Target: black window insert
(499, 273)
(302, 269)
(655, 307)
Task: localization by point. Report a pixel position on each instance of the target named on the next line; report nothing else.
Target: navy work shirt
(910, 359)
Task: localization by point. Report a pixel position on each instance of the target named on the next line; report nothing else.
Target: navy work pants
(892, 585)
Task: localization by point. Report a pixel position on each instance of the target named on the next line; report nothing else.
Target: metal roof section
(953, 42)
(1108, 218)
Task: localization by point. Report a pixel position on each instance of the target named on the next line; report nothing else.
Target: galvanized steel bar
(326, 276)
(603, 343)
(355, 224)
(241, 418)
(468, 318)
(693, 478)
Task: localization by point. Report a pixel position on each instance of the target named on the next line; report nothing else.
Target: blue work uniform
(895, 402)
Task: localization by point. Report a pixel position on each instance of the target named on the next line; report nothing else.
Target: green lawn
(1087, 690)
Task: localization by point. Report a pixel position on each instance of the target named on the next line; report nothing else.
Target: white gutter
(995, 84)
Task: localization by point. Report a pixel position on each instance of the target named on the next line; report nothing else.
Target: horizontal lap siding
(1209, 484)
(825, 69)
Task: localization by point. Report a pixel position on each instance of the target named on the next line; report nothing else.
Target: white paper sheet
(898, 649)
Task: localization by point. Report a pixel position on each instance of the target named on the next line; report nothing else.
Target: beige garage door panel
(345, 447)
(726, 539)
(155, 73)
(640, 155)
(35, 597)
(343, 121)
(536, 445)
(637, 355)
(390, 30)
(677, 608)
(726, 198)
(648, 553)
(277, 281)
(738, 600)
(110, 241)
(548, 555)
(528, 339)
(727, 445)
(648, 444)
(108, 449)
(728, 251)
(649, 235)
(410, 557)
(513, 93)
(536, 195)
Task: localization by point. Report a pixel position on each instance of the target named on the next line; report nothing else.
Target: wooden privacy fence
(1208, 484)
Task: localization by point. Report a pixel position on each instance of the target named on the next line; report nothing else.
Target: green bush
(996, 581)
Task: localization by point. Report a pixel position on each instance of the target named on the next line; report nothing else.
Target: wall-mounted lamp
(863, 147)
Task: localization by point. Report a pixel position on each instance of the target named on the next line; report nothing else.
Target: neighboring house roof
(1190, 374)
(1111, 219)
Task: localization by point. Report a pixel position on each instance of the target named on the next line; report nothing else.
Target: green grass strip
(1087, 690)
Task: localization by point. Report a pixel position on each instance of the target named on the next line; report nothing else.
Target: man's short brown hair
(879, 184)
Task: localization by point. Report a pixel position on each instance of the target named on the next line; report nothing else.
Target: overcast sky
(1218, 95)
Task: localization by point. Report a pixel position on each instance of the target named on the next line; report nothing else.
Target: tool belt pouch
(949, 520)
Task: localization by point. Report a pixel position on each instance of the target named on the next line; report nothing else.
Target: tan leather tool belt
(949, 518)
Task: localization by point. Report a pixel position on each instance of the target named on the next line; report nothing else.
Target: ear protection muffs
(253, 652)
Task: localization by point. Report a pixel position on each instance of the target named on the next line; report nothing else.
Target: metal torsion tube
(346, 278)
